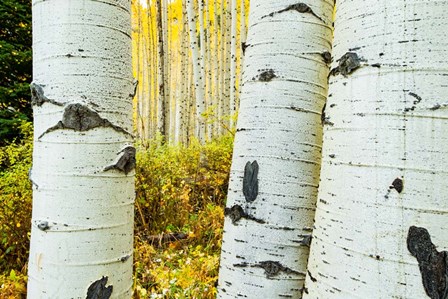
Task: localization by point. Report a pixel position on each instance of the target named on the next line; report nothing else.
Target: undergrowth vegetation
(180, 195)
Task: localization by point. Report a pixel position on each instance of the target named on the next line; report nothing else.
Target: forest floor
(180, 198)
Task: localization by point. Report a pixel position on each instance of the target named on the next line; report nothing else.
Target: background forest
(187, 58)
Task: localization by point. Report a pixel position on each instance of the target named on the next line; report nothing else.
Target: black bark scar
(134, 90)
(266, 75)
(418, 99)
(271, 268)
(326, 57)
(299, 7)
(79, 117)
(125, 161)
(348, 63)
(250, 181)
(43, 225)
(322, 115)
(433, 265)
(244, 47)
(397, 184)
(38, 96)
(236, 212)
(98, 289)
(306, 241)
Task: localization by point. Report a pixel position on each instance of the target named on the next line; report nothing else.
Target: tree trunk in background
(162, 102)
(385, 154)
(83, 194)
(233, 59)
(197, 73)
(215, 57)
(276, 161)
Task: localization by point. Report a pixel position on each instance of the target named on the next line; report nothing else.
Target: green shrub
(15, 201)
(174, 182)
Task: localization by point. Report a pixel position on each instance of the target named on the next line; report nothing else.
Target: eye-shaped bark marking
(236, 212)
(299, 7)
(125, 161)
(79, 117)
(271, 268)
(433, 265)
(38, 96)
(250, 181)
(98, 289)
(348, 63)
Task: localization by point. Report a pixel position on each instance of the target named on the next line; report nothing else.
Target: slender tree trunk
(382, 207)
(197, 73)
(233, 58)
(167, 69)
(163, 103)
(83, 159)
(216, 74)
(276, 161)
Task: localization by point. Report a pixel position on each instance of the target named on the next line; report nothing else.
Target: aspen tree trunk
(222, 69)
(227, 59)
(233, 58)
(163, 116)
(83, 159)
(197, 74)
(202, 45)
(215, 57)
(208, 67)
(276, 161)
(382, 209)
(167, 69)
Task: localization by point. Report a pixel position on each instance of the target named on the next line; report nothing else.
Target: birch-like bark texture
(276, 161)
(83, 183)
(382, 209)
(197, 72)
(233, 58)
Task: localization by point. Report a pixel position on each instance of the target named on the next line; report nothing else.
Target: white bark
(197, 74)
(233, 58)
(215, 85)
(384, 163)
(82, 222)
(264, 253)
